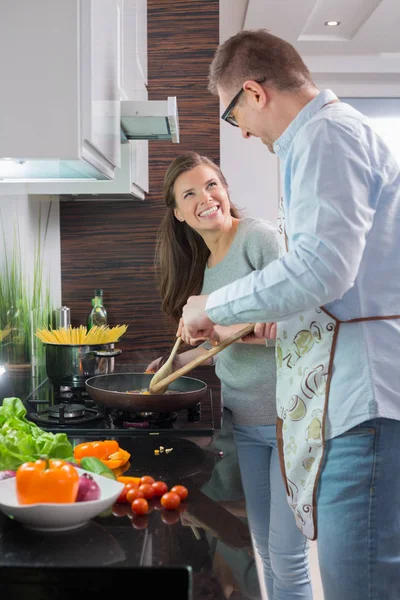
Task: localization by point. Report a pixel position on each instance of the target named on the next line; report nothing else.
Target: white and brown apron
(305, 348)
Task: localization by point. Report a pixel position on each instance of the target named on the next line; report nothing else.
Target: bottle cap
(98, 292)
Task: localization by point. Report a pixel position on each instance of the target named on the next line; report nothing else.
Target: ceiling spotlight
(332, 23)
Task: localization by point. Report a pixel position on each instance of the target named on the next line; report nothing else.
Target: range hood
(150, 120)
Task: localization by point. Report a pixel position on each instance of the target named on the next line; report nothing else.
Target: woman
(203, 244)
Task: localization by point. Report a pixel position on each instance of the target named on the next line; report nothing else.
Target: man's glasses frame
(226, 116)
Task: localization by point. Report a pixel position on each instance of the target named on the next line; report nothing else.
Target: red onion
(88, 489)
(7, 474)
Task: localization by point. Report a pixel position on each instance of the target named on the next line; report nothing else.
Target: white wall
(251, 171)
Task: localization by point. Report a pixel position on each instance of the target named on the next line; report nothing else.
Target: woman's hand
(196, 341)
(155, 365)
(179, 361)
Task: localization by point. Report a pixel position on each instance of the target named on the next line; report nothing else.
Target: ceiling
(366, 41)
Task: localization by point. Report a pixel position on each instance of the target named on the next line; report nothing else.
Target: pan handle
(106, 353)
(199, 360)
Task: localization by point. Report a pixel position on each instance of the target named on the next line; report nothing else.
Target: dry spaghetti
(80, 335)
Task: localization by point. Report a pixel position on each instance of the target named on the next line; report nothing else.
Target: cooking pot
(72, 364)
(114, 391)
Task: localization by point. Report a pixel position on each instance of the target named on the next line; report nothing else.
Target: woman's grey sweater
(247, 371)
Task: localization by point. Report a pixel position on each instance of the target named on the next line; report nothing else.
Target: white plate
(58, 517)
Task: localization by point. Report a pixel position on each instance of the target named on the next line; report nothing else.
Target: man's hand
(195, 323)
(261, 330)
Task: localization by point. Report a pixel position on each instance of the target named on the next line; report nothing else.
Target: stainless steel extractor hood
(150, 120)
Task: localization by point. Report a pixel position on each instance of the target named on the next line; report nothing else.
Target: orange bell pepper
(134, 480)
(101, 449)
(51, 480)
(108, 451)
(117, 459)
(122, 469)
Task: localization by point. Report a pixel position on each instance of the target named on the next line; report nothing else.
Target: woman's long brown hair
(181, 254)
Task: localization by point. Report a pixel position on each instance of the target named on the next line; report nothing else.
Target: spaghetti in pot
(102, 334)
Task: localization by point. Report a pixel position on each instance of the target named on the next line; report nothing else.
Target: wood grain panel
(110, 244)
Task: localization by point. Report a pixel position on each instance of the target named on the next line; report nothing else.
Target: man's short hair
(257, 54)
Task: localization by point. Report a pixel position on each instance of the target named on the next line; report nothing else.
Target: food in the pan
(145, 392)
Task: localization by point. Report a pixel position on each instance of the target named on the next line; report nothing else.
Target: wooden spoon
(165, 370)
(162, 384)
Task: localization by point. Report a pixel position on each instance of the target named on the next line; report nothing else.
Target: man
(334, 294)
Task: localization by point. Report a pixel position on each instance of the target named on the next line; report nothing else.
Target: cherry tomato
(170, 500)
(132, 494)
(140, 521)
(170, 517)
(181, 491)
(122, 497)
(159, 487)
(147, 479)
(147, 490)
(140, 506)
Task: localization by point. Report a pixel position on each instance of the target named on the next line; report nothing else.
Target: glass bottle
(98, 314)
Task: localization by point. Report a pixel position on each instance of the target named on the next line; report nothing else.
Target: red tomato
(132, 494)
(140, 506)
(170, 500)
(122, 497)
(147, 479)
(147, 490)
(159, 487)
(181, 491)
(170, 517)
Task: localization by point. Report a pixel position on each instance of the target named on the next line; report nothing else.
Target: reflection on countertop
(210, 534)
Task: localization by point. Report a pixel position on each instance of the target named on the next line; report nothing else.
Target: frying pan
(111, 390)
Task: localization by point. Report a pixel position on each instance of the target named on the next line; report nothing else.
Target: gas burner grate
(144, 420)
(46, 418)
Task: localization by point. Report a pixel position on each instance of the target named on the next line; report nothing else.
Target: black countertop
(211, 534)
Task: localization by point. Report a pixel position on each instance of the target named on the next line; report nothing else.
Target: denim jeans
(358, 512)
(282, 547)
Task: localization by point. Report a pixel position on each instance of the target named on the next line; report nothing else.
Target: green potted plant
(25, 303)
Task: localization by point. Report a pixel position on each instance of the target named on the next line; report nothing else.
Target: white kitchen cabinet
(60, 92)
(134, 77)
(134, 50)
(130, 181)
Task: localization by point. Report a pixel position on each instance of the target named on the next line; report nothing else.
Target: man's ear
(177, 215)
(257, 92)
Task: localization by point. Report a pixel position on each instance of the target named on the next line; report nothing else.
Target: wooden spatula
(161, 386)
(165, 370)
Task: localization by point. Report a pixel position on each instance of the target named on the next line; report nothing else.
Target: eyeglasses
(227, 113)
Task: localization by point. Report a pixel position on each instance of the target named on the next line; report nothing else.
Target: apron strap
(360, 319)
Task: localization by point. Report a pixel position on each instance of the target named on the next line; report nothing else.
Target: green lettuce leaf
(23, 441)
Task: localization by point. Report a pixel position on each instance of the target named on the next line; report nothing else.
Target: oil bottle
(98, 314)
